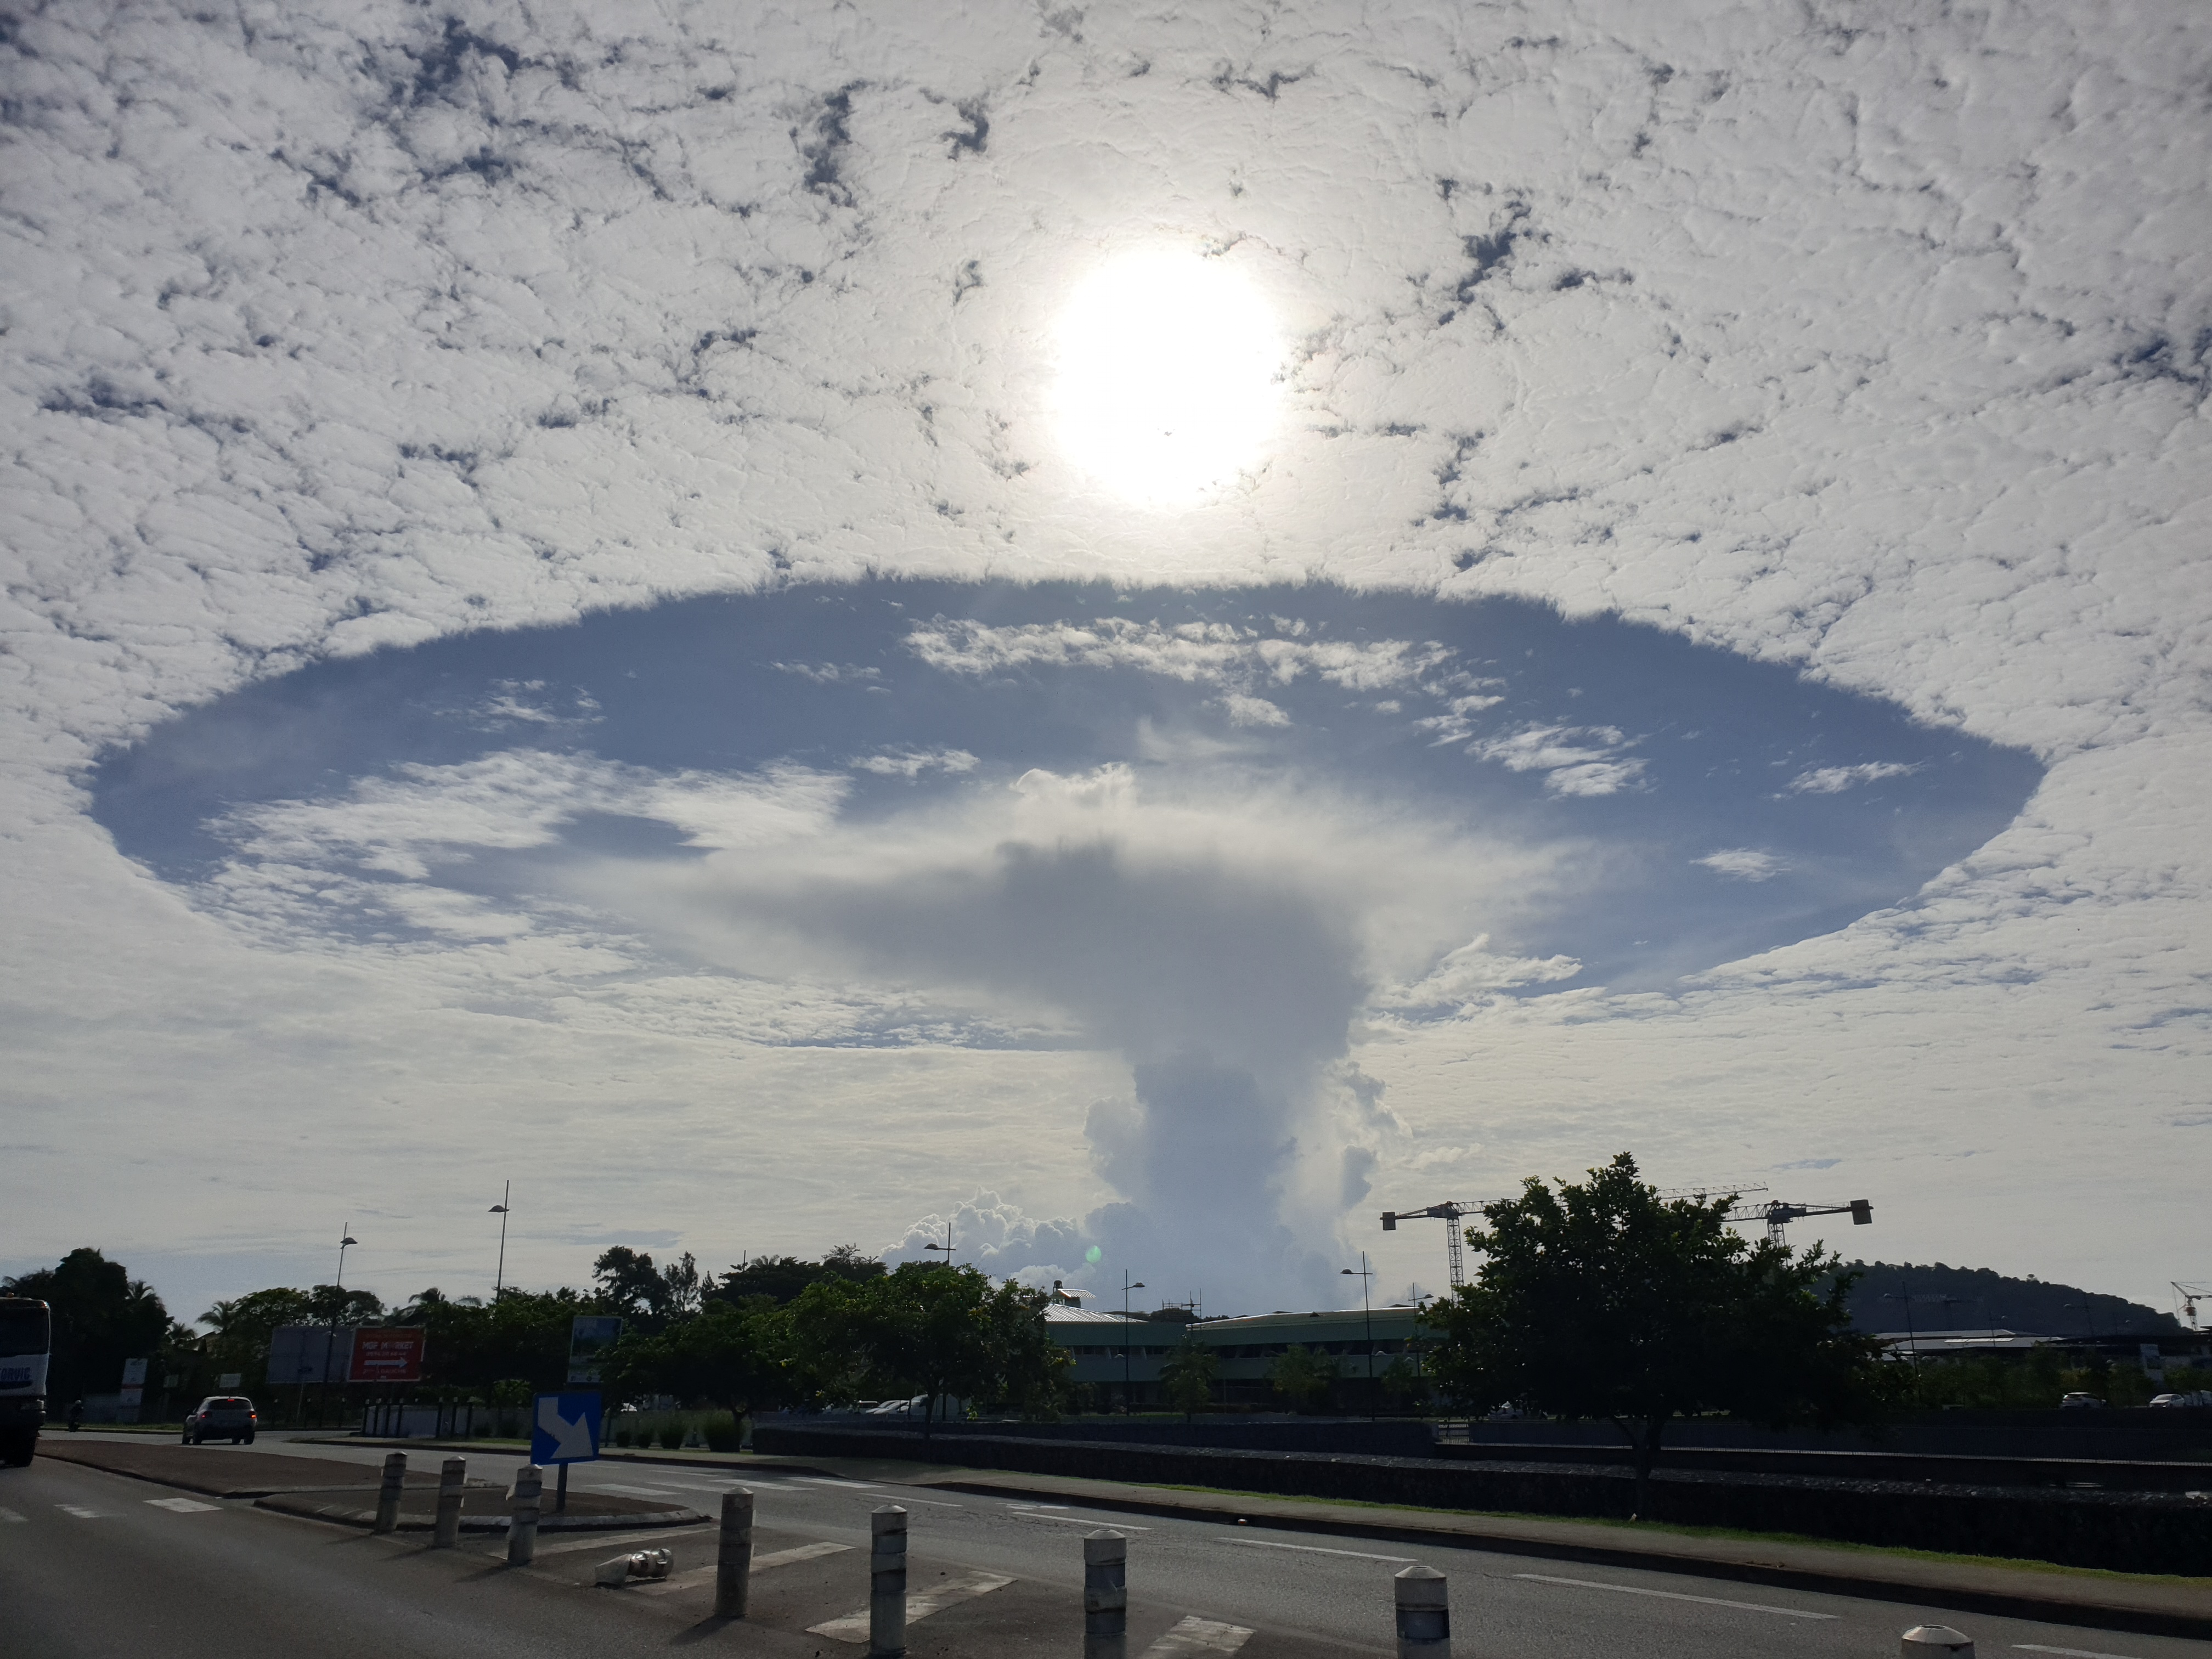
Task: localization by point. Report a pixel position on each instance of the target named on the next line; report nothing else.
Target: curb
(617, 1454)
(1863, 1585)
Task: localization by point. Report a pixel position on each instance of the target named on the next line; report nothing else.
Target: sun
(1170, 366)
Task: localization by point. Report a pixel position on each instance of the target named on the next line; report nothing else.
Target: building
(1114, 1351)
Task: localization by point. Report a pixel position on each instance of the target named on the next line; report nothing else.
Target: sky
(1142, 631)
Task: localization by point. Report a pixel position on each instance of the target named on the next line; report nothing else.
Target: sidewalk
(2151, 1606)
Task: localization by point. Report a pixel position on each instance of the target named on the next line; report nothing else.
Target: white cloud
(1219, 653)
(1834, 780)
(1743, 863)
(1253, 711)
(1576, 760)
(913, 762)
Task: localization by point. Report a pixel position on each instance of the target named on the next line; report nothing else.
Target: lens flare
(1169, 376)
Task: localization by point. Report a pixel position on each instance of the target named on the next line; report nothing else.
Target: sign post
(564, 1428)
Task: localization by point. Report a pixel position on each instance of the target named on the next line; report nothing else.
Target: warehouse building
(1115, 1353)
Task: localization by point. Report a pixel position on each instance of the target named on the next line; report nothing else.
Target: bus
(26, 1333)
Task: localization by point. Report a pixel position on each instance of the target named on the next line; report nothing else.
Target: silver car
(222, 1416)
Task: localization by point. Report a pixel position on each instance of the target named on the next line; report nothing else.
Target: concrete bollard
(387, 1494)
(1424, 1615)
(734, 1556)
(887, 1582)
(451, 1474)
(522, 1529)
(1106, 1596)
(1925, 1640)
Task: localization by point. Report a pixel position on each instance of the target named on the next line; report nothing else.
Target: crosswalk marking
(1316, 1549)
(853, 1627)
(1196, 1635)
(1675, 1595)
(181, 1506)
(636, 1491)
(78, 1511)
(761, 1564)
(610, 1540)
(10, 1515)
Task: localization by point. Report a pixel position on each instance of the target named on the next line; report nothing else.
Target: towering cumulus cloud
(1226, 978)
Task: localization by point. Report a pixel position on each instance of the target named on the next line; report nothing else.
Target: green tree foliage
(1188, 1376)
(242, 1329)
(927, 1330)
(628, 1283)
(469, 1346)
(1605, 1301)
(327, 1305)
(101, 1317)
(733, 1357)
(1303, 1377)
(783, 1277)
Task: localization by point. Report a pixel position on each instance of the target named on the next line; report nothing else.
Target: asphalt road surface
(95, 1564)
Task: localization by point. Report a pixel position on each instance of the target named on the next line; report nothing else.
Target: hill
(1970, 1299)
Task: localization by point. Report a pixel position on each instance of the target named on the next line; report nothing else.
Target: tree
(926, 1329)
(628, 1283)
(1303, 1376)
(101, 1317)
(784, 1277)
(679, 1288)
(1188, 1376)
(1605, 1301)
(242, 1328)
(734, 1358)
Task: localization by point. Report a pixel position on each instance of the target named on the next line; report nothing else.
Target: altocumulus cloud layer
(1867, 345)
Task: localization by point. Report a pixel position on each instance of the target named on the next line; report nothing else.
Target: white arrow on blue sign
(564, 1428)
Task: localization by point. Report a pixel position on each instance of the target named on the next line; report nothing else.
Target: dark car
(222, 1416)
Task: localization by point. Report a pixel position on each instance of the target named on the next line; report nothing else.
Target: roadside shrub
(724, 1433)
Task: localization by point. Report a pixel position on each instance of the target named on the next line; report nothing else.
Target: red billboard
(382, 1354)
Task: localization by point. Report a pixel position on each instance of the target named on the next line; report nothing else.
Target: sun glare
(1167, 376)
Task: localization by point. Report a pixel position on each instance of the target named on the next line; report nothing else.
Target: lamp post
(1127, 1285)
(947, 1247)
(499, 1278)
(338, 1307)
(1363, 1277)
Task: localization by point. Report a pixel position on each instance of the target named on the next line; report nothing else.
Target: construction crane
(2189, 1295)
(1450, 1213)
(1776, 1214)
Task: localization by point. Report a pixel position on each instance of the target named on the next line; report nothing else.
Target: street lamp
(947, 1247)
(499, 1278)
(1911, 1338)
(338, 1307)
(1127, 1285)
(1364, 1276)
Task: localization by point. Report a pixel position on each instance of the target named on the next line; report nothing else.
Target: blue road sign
(564, 1428)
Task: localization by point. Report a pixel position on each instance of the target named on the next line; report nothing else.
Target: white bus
(27, 1331)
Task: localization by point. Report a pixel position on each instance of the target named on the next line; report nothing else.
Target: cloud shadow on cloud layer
(1205, 830)
(1713, 806)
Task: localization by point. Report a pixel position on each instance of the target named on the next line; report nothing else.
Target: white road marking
(10, 1515)
(761, 1564)
(182, 1506)
(824, 1481)
(1081, 1521)
(1036, 1506)
(933, 1503)
(1196, 1635)
(853, 1627)
(78, 1511)
(636, 1491)
(1316, 1549)
(2070, 1653)
(1675, 1595)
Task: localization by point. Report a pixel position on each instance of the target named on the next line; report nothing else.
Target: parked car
(222, 1416)
(2200, 1397)
(2081, 1402)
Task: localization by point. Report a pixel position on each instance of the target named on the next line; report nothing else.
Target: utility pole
(1364, 1276)
(1127, 1285)
(1911, 1338)
(338, 1307)
(499, 1278)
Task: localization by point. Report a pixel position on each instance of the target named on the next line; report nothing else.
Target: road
(95, 1564)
